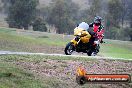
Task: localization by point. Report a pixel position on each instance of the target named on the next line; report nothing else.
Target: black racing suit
(93, 33)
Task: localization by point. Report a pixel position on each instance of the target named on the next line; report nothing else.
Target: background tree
(128, 31)
(113, 19)
(21, 13)
(5, 5)
(114, 12)
(124, 12)
(130, 12)
(39, 25)
(63, 15)
(94, 9)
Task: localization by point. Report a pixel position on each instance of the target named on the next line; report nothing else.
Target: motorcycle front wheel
(69, 48)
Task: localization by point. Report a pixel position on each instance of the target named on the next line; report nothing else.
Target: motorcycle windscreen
(84, 26)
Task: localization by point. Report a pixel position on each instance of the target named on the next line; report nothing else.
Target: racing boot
(95, 50)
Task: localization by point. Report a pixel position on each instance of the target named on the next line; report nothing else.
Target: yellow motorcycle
(81, 42)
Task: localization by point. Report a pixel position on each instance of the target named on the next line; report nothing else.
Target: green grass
(32, 37)
(13, 77)
(30, 41)
(117, 49)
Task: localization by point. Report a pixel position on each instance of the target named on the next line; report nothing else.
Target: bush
(39, 25)
(128, 33)
(21, 13)
(115, 33)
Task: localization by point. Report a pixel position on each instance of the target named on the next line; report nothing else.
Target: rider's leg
(96, 47)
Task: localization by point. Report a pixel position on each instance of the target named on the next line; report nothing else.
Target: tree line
(64, 15)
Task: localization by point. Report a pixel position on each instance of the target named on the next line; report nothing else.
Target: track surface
(28, 53)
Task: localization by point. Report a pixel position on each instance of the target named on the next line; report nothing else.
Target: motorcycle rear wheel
(89, 53)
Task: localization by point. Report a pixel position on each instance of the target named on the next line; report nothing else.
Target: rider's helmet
(97, 20)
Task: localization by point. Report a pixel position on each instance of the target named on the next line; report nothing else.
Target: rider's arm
(91, 25)
(90, 30)
(101, 30)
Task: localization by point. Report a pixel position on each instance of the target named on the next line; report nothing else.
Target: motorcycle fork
(78, 41)
(75, 41)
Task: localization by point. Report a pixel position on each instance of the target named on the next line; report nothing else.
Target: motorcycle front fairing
(83, 34)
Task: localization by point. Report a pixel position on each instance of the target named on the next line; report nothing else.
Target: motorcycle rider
(97, 33)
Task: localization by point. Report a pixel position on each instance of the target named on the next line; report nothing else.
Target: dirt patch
(49, 49)
(65, 70)
(54, 50)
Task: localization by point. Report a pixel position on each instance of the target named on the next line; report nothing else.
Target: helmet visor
(96, 21)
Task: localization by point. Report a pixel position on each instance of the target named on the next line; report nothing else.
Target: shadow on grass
(43, 37)
(6, 75)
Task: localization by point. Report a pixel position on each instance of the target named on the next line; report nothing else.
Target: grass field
(36, 71)
(29, 41)
(13, 77)
(117, 49)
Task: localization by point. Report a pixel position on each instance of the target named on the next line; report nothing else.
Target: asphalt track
(61, 55)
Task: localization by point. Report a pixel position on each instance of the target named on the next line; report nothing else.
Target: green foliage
(128, 33)
(12, 77)
(39, 25)
(115, 33)
(114, 20)
(63, 16)
(129, 12)
(116, 48)
(88, 14)
(5, 5)
(21, 13)
(95, 8)
(114, 12)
